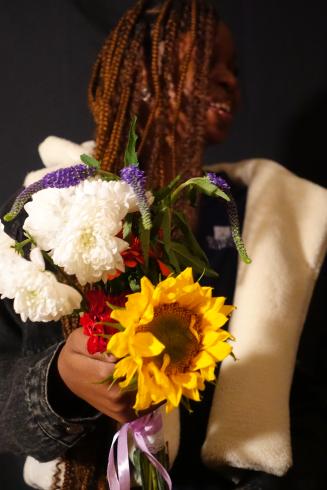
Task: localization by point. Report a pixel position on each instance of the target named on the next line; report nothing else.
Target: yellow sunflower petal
(227, 309)
(214, 319)
(174, 393)
(149, 392)
(212, 337)
(185, 277)
(169, 407)
(145, 344)
(143, 397)
(209, 373)
(125, 368)
(159, 377)
(118, 345)
(165, 362)
(203, 360)
(192, 394)
(138, 308)
(191, 299)
(187, 380)
(124, 318)
(220, 350)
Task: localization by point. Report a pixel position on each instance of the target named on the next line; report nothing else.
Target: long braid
(110, 154)
(200, 83)
(182, 79)
(155, 71)
(103, 95)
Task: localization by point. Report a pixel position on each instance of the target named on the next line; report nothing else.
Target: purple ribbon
(140, 429)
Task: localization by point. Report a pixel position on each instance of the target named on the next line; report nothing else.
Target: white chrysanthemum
(37, 294)
(47, 213)
(37, 258)
(116, 194)
(79, 226)
(42, 298)
(87, 246)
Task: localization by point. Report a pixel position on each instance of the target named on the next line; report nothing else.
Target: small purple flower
(218, 181)
(68, 177)
(59, 179)
(135, 177)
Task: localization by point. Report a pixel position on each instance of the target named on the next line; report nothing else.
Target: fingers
(82, 373)
(77, 342)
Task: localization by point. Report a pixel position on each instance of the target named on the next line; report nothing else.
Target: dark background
(47, 49)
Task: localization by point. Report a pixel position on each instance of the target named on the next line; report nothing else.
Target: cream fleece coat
(285, 231)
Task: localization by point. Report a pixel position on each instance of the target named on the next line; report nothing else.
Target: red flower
(133, 255)
(95, 320)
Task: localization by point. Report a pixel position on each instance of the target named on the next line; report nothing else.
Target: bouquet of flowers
(123, 258)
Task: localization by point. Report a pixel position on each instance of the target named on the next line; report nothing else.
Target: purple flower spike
(137, 180)
(62, 178)
(218, 181)
(232, 215)
(133, 175)
(68, 177)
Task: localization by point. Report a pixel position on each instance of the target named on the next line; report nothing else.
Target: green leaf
(206, 187)
(189, 236)
(127, 226)
(166, 229)
(134, 284)
(118, 326)
(193, 196)
(130, 157)
(165, 191)
(136, 461)
(187, 259)
(203, 185)
(114, 307)
(108, 379)
(90, 161)
(19, 246)
(108, 176)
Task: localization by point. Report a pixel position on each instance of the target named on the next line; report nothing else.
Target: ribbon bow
(140, 429)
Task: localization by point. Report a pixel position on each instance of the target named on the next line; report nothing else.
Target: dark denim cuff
(64, 431)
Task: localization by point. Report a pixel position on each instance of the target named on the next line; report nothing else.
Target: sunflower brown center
(172, 325)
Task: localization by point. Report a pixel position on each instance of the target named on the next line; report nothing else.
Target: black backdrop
(47, 50)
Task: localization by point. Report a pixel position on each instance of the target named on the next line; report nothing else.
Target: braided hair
(145, 46)
(149, 37)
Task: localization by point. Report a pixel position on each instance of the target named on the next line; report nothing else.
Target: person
(173, 64)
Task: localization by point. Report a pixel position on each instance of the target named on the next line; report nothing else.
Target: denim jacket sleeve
(28, 423)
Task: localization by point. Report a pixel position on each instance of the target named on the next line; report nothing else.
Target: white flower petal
(42, 298)
(37, 258)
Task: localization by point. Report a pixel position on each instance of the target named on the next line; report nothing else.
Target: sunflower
(172, 340)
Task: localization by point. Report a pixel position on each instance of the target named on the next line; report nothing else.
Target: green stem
(182, 186)
(105, 173)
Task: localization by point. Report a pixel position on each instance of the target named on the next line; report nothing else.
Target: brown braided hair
(145, 44)
(148, 37)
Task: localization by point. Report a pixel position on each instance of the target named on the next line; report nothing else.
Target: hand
(81, 372)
